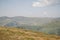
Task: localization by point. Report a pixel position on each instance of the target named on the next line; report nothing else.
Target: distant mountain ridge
(46, 24)
(26, 20)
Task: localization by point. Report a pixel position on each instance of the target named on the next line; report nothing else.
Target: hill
(11, 33)
(52, 28)
(20, 20)
(47, 25)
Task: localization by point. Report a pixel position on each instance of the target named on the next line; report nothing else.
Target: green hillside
(52, 28)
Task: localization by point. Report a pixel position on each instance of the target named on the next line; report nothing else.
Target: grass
(21, 34)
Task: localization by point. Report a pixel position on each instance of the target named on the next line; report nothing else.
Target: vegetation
(11, 33)
(46, 25)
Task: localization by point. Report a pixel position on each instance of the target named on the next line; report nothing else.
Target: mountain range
(42, 24)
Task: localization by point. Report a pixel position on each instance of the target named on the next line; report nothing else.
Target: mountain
(7, 33)
(24, 20)
(47, 24)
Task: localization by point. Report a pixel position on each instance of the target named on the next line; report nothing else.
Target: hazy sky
(30, 8)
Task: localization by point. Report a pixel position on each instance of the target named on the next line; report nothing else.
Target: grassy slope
(20, 34)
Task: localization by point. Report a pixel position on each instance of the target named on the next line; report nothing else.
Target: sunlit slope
(21, 34)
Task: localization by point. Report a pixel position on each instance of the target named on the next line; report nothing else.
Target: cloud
(43, 3)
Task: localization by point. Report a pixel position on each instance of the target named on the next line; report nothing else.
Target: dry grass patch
(21, 34)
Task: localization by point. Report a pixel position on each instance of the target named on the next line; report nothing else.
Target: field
(7, 33)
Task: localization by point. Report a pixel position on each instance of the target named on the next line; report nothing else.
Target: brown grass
(21, 34)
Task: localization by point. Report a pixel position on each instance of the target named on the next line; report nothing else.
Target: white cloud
(43, 3)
